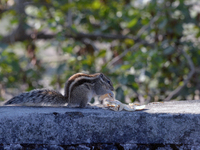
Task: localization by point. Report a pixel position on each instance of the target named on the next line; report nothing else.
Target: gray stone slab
(160, 123)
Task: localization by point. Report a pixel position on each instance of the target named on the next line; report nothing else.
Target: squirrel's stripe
(77, 80)
(72, 79)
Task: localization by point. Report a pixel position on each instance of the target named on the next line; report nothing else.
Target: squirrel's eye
(108, 82)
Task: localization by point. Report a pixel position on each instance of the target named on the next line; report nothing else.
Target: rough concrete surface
(168, 125)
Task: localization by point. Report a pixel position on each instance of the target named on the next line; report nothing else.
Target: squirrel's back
(38, 97)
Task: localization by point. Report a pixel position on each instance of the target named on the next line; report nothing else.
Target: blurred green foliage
(57, 38)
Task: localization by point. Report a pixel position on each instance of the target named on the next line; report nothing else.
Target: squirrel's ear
(101, 75)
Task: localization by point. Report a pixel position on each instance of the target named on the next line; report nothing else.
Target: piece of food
(116, 105)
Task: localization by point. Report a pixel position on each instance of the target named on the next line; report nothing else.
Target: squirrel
(79, 90)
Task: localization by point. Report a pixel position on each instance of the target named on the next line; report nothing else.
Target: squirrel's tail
(38, 97)
(15, 100)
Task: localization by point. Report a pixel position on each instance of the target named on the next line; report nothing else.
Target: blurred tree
(150, 49)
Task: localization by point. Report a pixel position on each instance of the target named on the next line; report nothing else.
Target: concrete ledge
(169, 124)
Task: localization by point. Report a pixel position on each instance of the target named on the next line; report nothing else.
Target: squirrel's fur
(79, 89)
(39, 97)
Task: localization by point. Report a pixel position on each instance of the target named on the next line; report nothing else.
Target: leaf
(102, 53)
(162, 24)
(14, 21)
(3, 45)
(61, 68)
(132, 23)
(147, 73)
(96, 4)
(15, 66)
(123, 80)
(68, 49)
(129, 41)
(125, 67)
(120, 94)
(131, 79)
(169, 50)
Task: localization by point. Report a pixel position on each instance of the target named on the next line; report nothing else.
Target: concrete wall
(172, 125)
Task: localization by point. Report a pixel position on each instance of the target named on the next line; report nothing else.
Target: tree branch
(96, 36)
(189, 76)
(136, 38)
(76, 36)
(90, 42)
(69, 16)
(20, 33)
(141, 31)
(115, 59)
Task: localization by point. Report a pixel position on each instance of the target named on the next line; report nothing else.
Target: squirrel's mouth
(112, 89)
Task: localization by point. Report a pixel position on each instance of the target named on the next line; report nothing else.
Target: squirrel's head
(104, 85)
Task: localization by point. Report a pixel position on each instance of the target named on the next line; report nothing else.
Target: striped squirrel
(79, 90)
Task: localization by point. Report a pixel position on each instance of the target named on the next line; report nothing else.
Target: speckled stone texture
(161, 125)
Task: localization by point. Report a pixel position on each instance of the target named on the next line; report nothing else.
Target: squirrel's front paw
(111, 94)
(91, 106)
